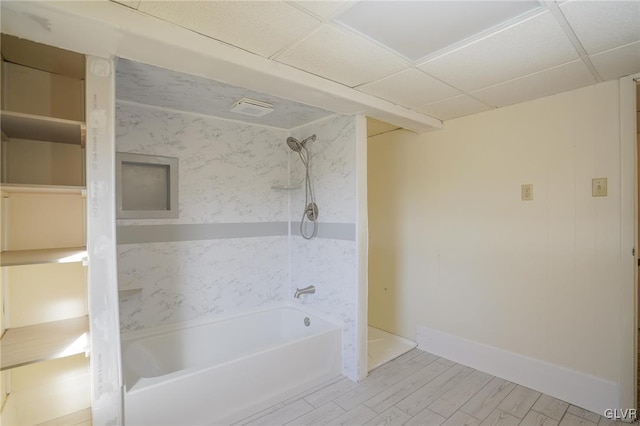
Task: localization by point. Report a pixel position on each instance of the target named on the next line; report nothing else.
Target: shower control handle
(311, 211)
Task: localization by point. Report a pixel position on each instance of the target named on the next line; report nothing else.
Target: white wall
(460, 253)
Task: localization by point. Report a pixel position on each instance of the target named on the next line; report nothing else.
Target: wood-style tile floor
(420, 388)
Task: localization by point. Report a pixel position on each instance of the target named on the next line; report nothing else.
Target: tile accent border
(144, 234)
(330, 230)
(581, 389)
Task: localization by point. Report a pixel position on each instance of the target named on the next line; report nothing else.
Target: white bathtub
(222, 371)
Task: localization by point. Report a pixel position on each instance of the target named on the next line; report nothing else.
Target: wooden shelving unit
(34, 127)
(44, 375)
(41, 342)
(40, 256)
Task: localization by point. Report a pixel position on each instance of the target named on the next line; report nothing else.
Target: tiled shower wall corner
(329, 261)
(226, 170)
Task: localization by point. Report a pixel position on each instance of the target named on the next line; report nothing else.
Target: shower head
(294, 144)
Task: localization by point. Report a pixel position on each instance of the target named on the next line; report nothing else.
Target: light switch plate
(599, 187)
(527, 192)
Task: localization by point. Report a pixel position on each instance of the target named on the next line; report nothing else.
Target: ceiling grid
(441, 58)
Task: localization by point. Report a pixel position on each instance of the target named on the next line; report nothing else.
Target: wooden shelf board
(24, 188)
(34, 127)
(36, 343)
(79, 418)
(40, 256)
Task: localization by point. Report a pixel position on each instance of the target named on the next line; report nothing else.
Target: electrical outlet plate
(527, 192)
(599, 187)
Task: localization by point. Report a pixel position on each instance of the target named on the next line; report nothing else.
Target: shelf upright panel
(106, 369)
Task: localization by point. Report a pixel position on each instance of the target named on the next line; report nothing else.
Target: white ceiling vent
(251, 107)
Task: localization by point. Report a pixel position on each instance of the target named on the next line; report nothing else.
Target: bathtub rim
(127, 336)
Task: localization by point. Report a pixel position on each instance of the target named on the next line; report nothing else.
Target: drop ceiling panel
(420, 28)
(411, 88)
(544, 83)
(342, 56)
(262, 27)
(149, 85)
(615, 63)
(500, 52)
(603, 25)
(323, 9)
(529, 46)
(458, 106)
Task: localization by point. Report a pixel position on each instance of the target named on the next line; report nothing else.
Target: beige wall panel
(3, 271)
(391, 215)
(3, 285)
(459, 252)
(3, 275)
(8, 414)
(48, 390)
(45, 221)
(43, 293)
(3, 374)
(43, 57)
(32, 91)
(598, 223)
(43, 163)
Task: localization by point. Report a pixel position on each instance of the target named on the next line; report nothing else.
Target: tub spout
(307, 290)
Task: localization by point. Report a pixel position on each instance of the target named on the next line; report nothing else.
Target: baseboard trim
(581, 389)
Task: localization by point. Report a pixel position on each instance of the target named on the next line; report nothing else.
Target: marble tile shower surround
(161, 87)
(329, 264)
(333, 169)
(191, 280)
(226, 169)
